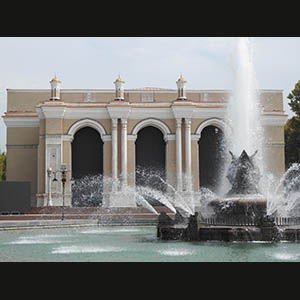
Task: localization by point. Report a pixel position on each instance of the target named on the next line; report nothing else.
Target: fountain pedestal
(252, 206)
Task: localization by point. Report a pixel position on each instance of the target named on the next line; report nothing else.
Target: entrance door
(87, 168)
(211, 157)
(150, 160)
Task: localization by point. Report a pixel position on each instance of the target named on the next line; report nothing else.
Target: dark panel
(210, 157)
(87, 153)
(150, 148)
(150, 160)
(14, 196)
(87, 168)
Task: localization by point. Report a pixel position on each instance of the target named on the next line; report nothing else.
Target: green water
(131, 244)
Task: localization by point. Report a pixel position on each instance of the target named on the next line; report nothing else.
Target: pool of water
(131, 244)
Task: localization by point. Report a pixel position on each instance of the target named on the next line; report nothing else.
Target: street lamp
(49, 172)
(63, 171)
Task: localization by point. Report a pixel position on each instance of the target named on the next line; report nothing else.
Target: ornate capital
(178, 122)
(114, 123)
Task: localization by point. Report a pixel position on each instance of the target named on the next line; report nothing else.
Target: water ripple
(84, 249)
(175, 252)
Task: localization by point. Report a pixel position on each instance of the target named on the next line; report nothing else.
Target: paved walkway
(51, 217)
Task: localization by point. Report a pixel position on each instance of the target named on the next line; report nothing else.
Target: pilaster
(52, 112)
(188, 154)
(123, 152)
(114, 153)
(183, 110)
(178, 154)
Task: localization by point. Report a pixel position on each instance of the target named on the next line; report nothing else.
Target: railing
(249, 221)
(285, 221)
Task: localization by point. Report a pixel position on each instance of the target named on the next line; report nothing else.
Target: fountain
(244, 198)
(243, 213)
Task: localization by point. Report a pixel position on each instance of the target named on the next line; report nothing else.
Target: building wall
(27, 143)
(27, 99)
(22, 145)
(273, 155)
(22, 162)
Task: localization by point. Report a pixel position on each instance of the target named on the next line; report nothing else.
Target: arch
(86, 123)
(211, 157)
(152, 122)
(150, 161)
(211, 122)
(87, 167)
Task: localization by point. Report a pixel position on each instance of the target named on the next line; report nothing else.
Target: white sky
(84, 62)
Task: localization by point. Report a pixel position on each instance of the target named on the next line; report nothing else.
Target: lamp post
(63, 171)
(49, 172)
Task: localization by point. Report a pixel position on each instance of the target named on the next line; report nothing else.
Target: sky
(95, 62)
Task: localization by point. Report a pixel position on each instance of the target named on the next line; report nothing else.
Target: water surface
(131, 244)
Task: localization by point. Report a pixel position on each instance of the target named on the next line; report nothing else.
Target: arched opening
(150, 160)
(87, 168)
(211, 157)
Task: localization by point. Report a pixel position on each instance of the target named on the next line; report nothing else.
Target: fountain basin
(194, 229)
(249, 206)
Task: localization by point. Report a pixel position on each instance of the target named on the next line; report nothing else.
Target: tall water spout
(243, 109)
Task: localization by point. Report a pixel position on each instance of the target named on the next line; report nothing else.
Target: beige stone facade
(40, 131)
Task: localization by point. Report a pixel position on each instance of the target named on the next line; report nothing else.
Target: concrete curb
(50, 224)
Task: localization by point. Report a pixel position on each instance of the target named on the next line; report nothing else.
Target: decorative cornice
(21, 122)
(183, 109)
(53, 112)
(118, 109)
(125, 110)
(274, 119)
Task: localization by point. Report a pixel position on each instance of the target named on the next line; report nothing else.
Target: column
(123, 152)
(178, 154)
(114, 154)
(188, 154)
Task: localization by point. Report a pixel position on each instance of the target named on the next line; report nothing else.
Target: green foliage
(2, 166)
(292, 141)
(294, 97)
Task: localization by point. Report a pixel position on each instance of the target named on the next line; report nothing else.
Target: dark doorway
(150, 160)
(87, 168)
(211, 157)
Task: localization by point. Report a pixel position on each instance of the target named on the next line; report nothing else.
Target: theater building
(112, 131)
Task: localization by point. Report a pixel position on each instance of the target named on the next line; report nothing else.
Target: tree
(292, 141)
(292, 128)
(294, 97)
(3, 166)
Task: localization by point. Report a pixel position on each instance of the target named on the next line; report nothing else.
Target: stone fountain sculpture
(244, 198)
(243, 175)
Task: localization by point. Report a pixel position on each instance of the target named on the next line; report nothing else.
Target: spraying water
(153, 186)
(284, 194)
(243, 109)
(87, 191)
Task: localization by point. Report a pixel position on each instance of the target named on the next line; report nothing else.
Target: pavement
(51, 217)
